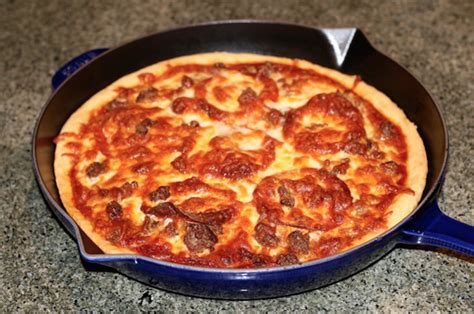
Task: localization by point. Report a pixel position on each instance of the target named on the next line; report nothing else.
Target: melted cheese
(240, 132)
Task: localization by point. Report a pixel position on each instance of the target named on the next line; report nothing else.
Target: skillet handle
(434, 228)
(73, 65)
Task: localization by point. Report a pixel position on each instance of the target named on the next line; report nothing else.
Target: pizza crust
(401, 208)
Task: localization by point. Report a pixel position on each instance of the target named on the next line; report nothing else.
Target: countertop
(40, 268)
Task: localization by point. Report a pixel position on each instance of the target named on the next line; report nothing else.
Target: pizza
(232, 160)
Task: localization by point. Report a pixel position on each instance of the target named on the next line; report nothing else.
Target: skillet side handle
(434, 228)
(73, 65)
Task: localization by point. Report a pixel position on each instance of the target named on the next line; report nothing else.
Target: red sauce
(220, 93)
(186, 105)
(147, 78)
(270, 89)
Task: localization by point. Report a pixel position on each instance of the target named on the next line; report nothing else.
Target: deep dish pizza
(238, 161)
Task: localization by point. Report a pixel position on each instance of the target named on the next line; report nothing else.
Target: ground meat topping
(237, 168)
(147, 95)
(180, 163)
(128, 187)
(180, 104)
(199, 237)
(287, 259)
(170, 229)
(142, 127)
(187, 82)
(162, 193)
(390, 167)
(274, 117)
(212, 217)
(165, 209)
(149, 225)
(298, 242)
(194, 124)
(387, 131)
(114, 210)
(342, 167)
(248, 96)
(95, 169)
(285, 197)
(265, 235)
(117, 103)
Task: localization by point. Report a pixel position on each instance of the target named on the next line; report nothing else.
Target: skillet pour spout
(344, 49)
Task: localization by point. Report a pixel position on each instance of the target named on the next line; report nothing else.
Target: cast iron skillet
(344, 49)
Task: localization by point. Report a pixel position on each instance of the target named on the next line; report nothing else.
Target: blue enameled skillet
(344, 49)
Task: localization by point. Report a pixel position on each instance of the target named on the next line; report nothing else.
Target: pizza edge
(416, 162)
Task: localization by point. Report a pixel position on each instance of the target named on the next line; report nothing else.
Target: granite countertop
(40, 268)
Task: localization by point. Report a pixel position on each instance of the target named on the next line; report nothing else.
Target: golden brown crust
(399, 209)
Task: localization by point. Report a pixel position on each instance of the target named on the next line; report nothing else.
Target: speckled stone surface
(40, 267)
